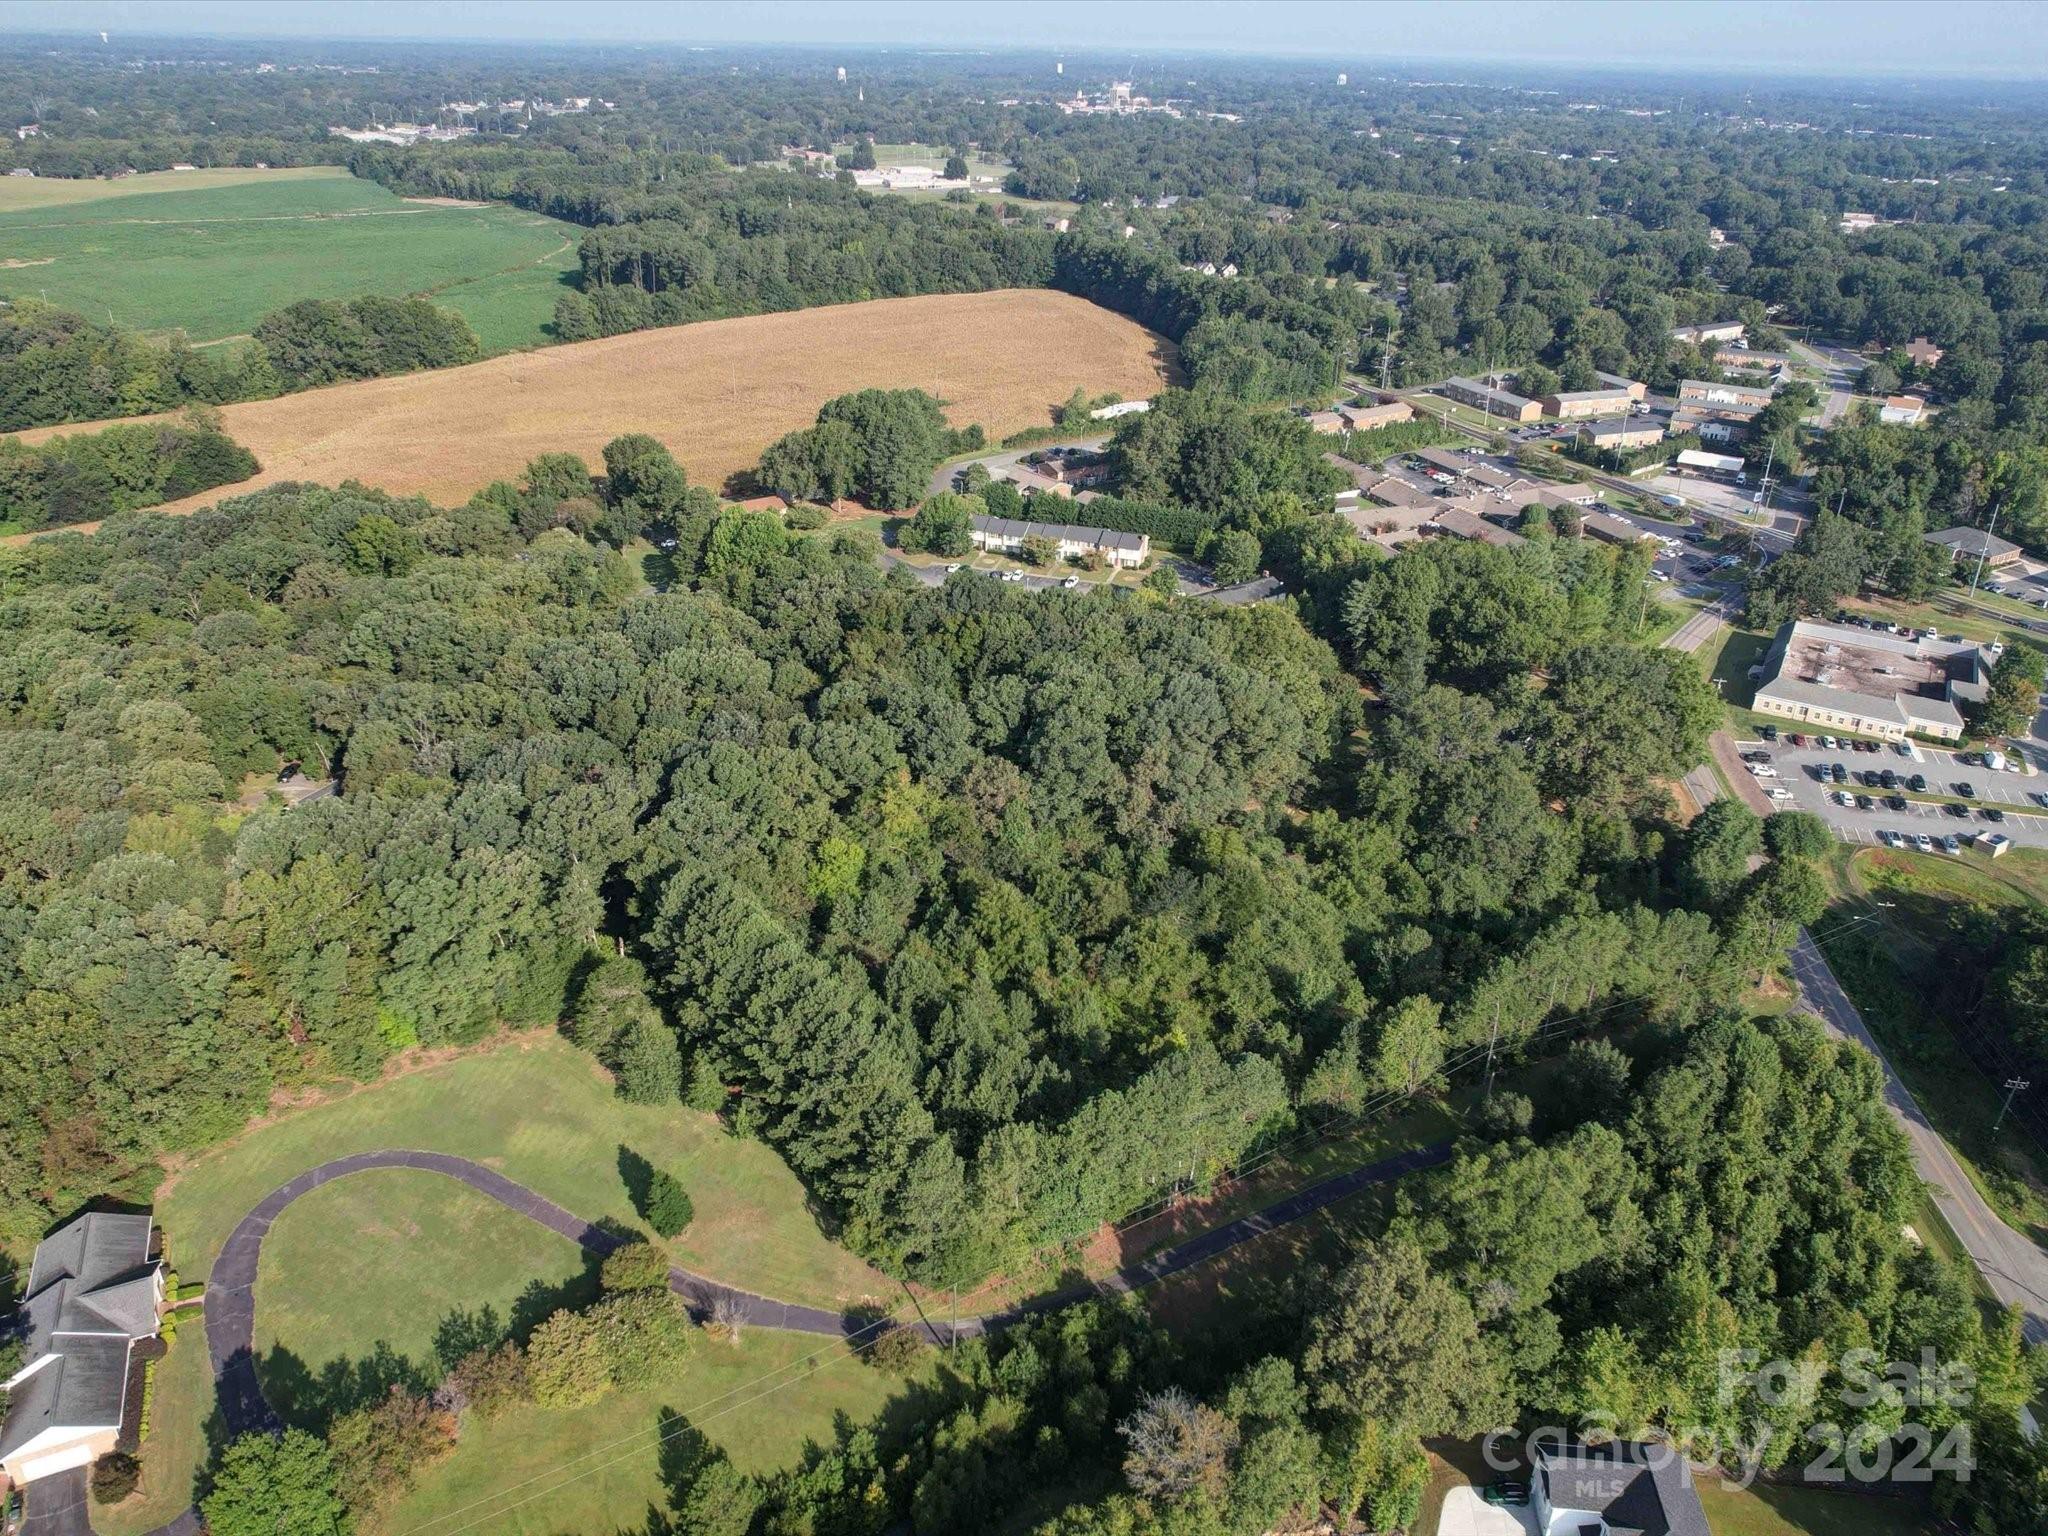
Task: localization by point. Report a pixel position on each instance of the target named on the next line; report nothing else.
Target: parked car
(1966, 789)
(1895, 802)
(1992, 813)
(1763, 770)
(1838, 773)
(1780, 792)
(1071, 582)
(1827, 743)
(1888, 779)
(1756, 756)
(1866, 778)
(1769, 733)
(1923, 842)
(1960, 812)
(1865, 803)
(1918, 784)
(1796, 739)
(1952, 844)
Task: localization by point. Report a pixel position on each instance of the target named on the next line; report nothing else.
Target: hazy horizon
(1966, 39)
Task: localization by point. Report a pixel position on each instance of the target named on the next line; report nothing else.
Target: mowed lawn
(536, 1472)
(212, 257)
(539, 1111)
(371, 1267)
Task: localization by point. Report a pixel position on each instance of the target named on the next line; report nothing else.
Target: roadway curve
(231, 1289)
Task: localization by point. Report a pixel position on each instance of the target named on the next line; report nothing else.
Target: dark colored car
(1864, 803)
(1838, 773)
(287, 773)
(1756, 757)
(1895, 802)
(1868, 778)
(1917, 783)
(1966, 789)
(1992, 813)
(1888, 779)
(1960, 812)
(1769, 733)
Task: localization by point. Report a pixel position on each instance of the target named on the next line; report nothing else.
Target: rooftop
(1631, 1486)
(1960, 540)
(1064, 533)
(1882, 676)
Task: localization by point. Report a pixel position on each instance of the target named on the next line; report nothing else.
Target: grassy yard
(540, 1112)
(536, 1472)
(211, 255)
(181, 1403)
(1891, 967)
(1765, 1509)
(335, 1262)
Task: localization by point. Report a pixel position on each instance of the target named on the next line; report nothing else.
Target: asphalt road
(2015, 1268)
(1841, 366)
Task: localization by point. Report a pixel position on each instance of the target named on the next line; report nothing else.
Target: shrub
(114, 1477)
(488, 1381)
(378, 1449)
(635, 1267)
(806, 516)
(897, 1350)
(641, 1335)
(667, 1206)
(565, 1362)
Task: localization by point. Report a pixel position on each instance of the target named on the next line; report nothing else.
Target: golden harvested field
(716, 393)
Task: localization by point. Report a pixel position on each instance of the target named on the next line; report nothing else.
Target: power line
(878, 1328)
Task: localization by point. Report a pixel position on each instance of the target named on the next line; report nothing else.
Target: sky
(1823, 37)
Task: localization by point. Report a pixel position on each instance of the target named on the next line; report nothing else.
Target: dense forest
(1000, 914)
(997, 913)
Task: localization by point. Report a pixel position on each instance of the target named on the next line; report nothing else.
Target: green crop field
(211, 257)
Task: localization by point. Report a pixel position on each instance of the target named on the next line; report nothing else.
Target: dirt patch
(716, 393)
(14, 263)
(446, 202)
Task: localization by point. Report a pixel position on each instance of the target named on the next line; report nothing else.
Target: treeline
(58, 367)
(73, 479)
(878, 445)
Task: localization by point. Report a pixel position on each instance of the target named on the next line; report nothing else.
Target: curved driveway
(231, 1290)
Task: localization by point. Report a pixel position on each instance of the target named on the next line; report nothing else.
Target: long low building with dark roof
(1870, 682)
(1006, 536)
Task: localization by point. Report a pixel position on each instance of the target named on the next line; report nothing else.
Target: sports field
(211, 252)
(716, 393)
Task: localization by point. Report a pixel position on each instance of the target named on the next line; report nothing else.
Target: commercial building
(1869, 682)
(1974, 544)
(1702, 392)
(1621, 433)
(1396, 492)
(1713, 330)
(1726, 466)
(1366, 418)
(1482, 396)
(1006, 536)
(1576, 404)
(1609, 529)
(1713, 423)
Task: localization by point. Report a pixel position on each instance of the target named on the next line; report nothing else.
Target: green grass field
(372, 1265)
(536, 1472)
(211, 257)
(539, 1111)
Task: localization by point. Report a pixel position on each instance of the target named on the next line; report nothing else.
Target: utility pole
(1978, 574)
(2013, 1085)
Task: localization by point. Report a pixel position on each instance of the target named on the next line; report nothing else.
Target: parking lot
(1804, 776)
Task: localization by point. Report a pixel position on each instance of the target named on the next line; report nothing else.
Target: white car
(1780, 792)
(1763, 770)
(951, 569)
(1923, 842)
(1071, 582)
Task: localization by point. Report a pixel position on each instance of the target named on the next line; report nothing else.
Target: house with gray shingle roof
(94, 1292)
(1620, 1488)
